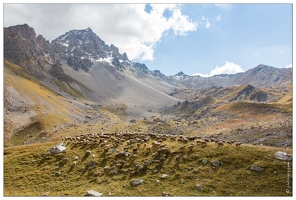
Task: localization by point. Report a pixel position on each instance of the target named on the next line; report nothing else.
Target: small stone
(58, 173)
(256, 168)
(116, 171)
(155, 171)
(137, 182)
(164, 176)
(164, 194)
(215, 163)
(93, 193)
(198, 187)
(157, 182)
(204, 161)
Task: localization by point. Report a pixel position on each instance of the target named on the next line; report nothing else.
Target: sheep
(190, 147)
(148, 148)
(238, 144)
(204, 143)
(178, 157)
(162, 145)
(132, 173)
(108, 169)
(74, 163)
(182, 147)
(220, 143)
(155, 154)
(206, 140)
(135, 150)
(65, 160)
(93, 156)
(162, 159)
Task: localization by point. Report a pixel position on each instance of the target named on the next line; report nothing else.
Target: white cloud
(208, 25)
(218, 18)
(223, 5)
(227, 68)
(127, 26)
(289, 66)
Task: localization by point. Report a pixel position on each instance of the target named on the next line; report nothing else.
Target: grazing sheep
(206, 140)
(107, 169)
(204, 143)
(190, 147)
(156, 161)
(238, 144)
(178, 157)
(148, 148)
(74, 163)
(220, 144)
(65, 160)
(162, 159)
(182, 147)
(155, 154)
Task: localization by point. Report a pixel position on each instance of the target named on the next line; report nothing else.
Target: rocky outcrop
(23, 48)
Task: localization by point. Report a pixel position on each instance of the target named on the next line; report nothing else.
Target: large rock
(283, 156)
(93, 193)
(58, 149)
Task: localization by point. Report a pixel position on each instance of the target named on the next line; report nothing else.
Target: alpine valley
(146, 134)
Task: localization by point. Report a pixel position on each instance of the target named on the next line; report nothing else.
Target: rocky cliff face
(23, 48)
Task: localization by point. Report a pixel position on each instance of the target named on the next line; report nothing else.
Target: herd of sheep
(126, 147)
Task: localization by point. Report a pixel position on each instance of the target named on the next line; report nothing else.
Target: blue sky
(201, 39)
(244, 34)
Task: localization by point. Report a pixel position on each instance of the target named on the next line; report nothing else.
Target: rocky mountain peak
(180, 74)
(80, 48)
(23, 48)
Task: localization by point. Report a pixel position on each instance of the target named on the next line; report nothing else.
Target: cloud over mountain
(227, 68)
(133, 29)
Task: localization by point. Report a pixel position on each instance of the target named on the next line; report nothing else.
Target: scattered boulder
(215, 163)
(92, 193)
(283, 156)
(204, 161)
(58, 148)
(198, 187)
(137, 182)
(157, 182)
(164, 194)
(164, 176)
(256, 168)
(92, 164)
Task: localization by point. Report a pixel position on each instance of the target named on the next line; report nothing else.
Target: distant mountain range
(78, 80)
(100, 73)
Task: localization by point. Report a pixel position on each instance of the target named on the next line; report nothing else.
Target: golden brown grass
(27, 173)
